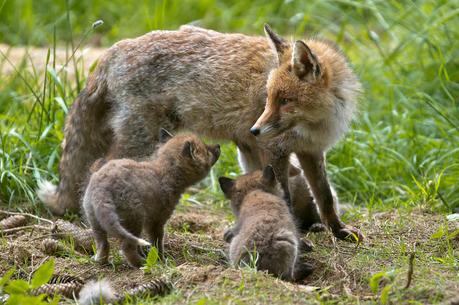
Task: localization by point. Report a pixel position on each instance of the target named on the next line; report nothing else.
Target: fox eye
(283, 101)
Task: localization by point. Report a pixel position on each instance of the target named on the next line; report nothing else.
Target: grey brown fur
(265, 229)
(125, 195)
(216, 85)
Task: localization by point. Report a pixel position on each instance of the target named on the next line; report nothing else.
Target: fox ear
(277, 43)
(164, 135)
(226, 184)
(305, 63)
(268, 175)
(187, 150)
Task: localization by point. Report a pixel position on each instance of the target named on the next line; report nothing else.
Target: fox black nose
(255, 131)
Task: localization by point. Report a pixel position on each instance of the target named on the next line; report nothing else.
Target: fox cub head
(308, 87)
(236, 190)
(189, 153)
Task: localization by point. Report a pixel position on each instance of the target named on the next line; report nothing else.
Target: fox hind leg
(130, 249)
(136, 126)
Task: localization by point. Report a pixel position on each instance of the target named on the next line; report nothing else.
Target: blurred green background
(402, 150)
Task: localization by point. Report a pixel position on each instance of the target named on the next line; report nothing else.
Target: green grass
(402, 152)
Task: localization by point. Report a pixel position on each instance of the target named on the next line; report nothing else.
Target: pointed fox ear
(277, 43)
(269, 176)
(226, 184)
(164, 135)
(305, 63)
(187, 150)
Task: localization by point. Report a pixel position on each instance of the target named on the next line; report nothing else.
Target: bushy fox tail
(47, 192)
(87, 137)
(97, 292)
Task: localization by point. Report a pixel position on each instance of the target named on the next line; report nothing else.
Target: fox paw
(317, 227)
(349, 233)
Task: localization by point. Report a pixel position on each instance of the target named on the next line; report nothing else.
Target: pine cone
(51, 247)
(158, 287)
(13, 222)
(64, 278)
(65, 289)
(82, 238)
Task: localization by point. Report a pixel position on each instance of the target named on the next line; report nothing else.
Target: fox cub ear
(226, 184)
(269, 177)
(164, 135)
(305, 63)
(277, 43)
(188, 150)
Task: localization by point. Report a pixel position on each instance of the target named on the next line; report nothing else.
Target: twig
(23, 228)
(410, 270)
(29, 215)
(33, 268)
(42, 236)
(219, 251)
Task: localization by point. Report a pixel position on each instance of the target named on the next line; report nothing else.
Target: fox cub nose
(255, 131)
(217, 149)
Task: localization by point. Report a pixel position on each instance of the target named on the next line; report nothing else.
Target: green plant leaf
(385, 294)
(202, 301)
(43, 274)
(17, 287)
(152, 258)
(6, 277)
(375, 279)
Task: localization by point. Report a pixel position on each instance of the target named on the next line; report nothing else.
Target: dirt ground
(197, 265)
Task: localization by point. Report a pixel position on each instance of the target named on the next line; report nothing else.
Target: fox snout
(255, 131)
(266, 123)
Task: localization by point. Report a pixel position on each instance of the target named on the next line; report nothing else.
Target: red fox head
(300, 90)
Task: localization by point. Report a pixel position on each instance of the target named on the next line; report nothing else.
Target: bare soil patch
(198, 268)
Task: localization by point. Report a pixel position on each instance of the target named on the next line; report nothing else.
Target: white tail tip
(96, 292)
(46, 191)
(143, 242)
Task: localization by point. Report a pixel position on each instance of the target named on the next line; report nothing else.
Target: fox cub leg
(155, 233)
(130, 249)
(102, 245)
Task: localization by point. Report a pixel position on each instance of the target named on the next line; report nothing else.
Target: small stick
(410, 270)
(23, 228)
(27, 214)
(219, 251)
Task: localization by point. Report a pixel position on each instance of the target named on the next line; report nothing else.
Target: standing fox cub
(271, 97)
(265, 230)
(125, 195)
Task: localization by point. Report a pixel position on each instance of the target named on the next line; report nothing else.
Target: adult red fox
(269, 96)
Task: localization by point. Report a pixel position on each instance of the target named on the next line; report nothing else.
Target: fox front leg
(314, 169)
(281, 164)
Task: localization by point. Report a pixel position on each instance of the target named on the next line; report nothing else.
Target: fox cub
(124, 195)
(265, 229)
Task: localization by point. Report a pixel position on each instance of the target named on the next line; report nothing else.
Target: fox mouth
(273, 130)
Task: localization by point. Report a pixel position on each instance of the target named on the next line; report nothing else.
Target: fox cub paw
(228, 235)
